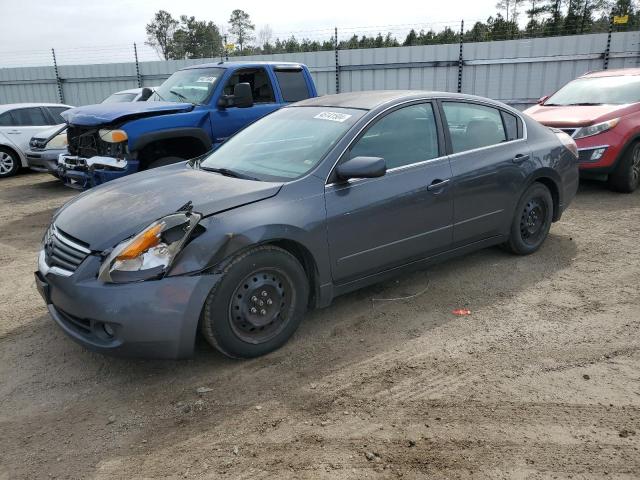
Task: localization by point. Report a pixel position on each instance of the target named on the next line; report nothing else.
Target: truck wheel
(531, 221)
(626, 177)
(257, 305)
(9, 163)
(161, 162)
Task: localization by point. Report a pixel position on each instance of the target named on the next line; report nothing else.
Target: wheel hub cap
(6, 162)
(259, 306)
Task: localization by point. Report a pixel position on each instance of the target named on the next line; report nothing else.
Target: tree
(509, 6)
(196, 39)
(241, 27)
(160, 33)
(412, 39)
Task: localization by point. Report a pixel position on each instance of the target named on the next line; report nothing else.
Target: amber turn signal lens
(142, 243)
(113, 136)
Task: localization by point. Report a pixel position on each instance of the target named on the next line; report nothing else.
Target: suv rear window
(292, 85)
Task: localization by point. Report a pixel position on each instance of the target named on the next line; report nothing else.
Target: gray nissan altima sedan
(315, 200)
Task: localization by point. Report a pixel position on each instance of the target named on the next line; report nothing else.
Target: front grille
(569, 131)
(63, 251)
(86, 142)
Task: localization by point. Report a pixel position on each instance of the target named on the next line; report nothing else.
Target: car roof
(246, 63)
(369, 100)
(618, 72)
(12, 106)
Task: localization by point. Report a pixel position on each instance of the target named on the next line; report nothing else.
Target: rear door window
(292, 85)
(510, 125)
(473, 126)
(5, 120)
(55, 113)
(29, 117)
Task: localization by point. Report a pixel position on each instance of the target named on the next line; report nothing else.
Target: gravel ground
(542, 380)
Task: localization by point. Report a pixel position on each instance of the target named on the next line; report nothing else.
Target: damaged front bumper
(82, 173)
(153, 319)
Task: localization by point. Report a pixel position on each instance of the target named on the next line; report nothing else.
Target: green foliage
(241, 27)
(191, 38)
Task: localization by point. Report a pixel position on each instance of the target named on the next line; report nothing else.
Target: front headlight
(596, 129)
(113, 136)
(58, 142)
(150, 253)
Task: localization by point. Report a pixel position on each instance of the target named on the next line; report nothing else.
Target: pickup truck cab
(191, 113)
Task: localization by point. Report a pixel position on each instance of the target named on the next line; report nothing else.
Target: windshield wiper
(227, 172)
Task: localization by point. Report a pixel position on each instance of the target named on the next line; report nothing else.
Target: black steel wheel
(258, 304)
(532, 220)
(261, 304)
(626, 177)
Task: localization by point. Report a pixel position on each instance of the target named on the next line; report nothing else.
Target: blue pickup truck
(192, 112)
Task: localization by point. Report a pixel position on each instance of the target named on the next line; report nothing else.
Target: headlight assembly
(150, 253)
(113, 136)
(58, 142)
(596, 129)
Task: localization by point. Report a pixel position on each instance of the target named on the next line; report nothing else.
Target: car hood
(49, 132)
(104, 216)
(106, 113)
(573, 116)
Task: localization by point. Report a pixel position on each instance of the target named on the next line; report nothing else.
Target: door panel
(485, 178)
(227, 121)
(384, 222)
(26, 123)
(379, 223)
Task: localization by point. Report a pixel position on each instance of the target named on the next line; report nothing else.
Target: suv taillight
(567, 141)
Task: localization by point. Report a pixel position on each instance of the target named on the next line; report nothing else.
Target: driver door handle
(437, 185)
(520, 158)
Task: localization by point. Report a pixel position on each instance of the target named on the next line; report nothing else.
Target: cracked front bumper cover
(81, 173)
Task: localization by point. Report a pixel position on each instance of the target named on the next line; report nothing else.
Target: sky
(90, 31)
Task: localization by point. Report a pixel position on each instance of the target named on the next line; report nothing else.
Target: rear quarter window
(292, 85)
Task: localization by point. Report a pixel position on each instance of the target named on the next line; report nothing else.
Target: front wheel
(9, 163)
(257, 305)
(626, 176)
(532, 220)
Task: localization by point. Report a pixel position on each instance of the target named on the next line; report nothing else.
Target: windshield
(120, 97)
(284, 145)
(193, 85)
(598, 91)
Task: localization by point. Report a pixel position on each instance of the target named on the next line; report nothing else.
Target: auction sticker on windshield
(206, 80)
(333, 116)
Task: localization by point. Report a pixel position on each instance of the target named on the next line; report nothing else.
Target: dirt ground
(541, 381)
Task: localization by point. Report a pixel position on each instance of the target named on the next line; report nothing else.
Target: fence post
(135, 52)
(460, 60)
(58, 79)
(337, 60)
(226, 52)
(608, 49)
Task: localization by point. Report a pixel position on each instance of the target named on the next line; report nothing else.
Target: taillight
(567, 141)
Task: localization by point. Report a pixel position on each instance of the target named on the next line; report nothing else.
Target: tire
(531, 221)
(161, 162)
(626, 177)
(9, 163)
(258, 304)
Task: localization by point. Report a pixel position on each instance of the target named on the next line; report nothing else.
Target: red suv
(601, 111)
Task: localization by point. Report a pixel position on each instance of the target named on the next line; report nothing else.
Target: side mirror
(541, 100)
(362, 167)
(242, 97)
(146, 93)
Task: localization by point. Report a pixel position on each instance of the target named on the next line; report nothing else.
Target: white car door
(24, 123)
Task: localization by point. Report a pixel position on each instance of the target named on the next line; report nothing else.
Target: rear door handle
(438, 185)
(14, 132)
(520, 158)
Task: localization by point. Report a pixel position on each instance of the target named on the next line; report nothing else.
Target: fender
(549, 175)
(171, 133)
(11, 146)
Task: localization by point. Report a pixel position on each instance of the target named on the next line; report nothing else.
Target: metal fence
(514, 71)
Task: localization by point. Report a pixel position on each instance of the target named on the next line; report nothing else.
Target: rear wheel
(257, 305)
(532, 220)
(626, 177)
(9, 163)
(161, 162)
